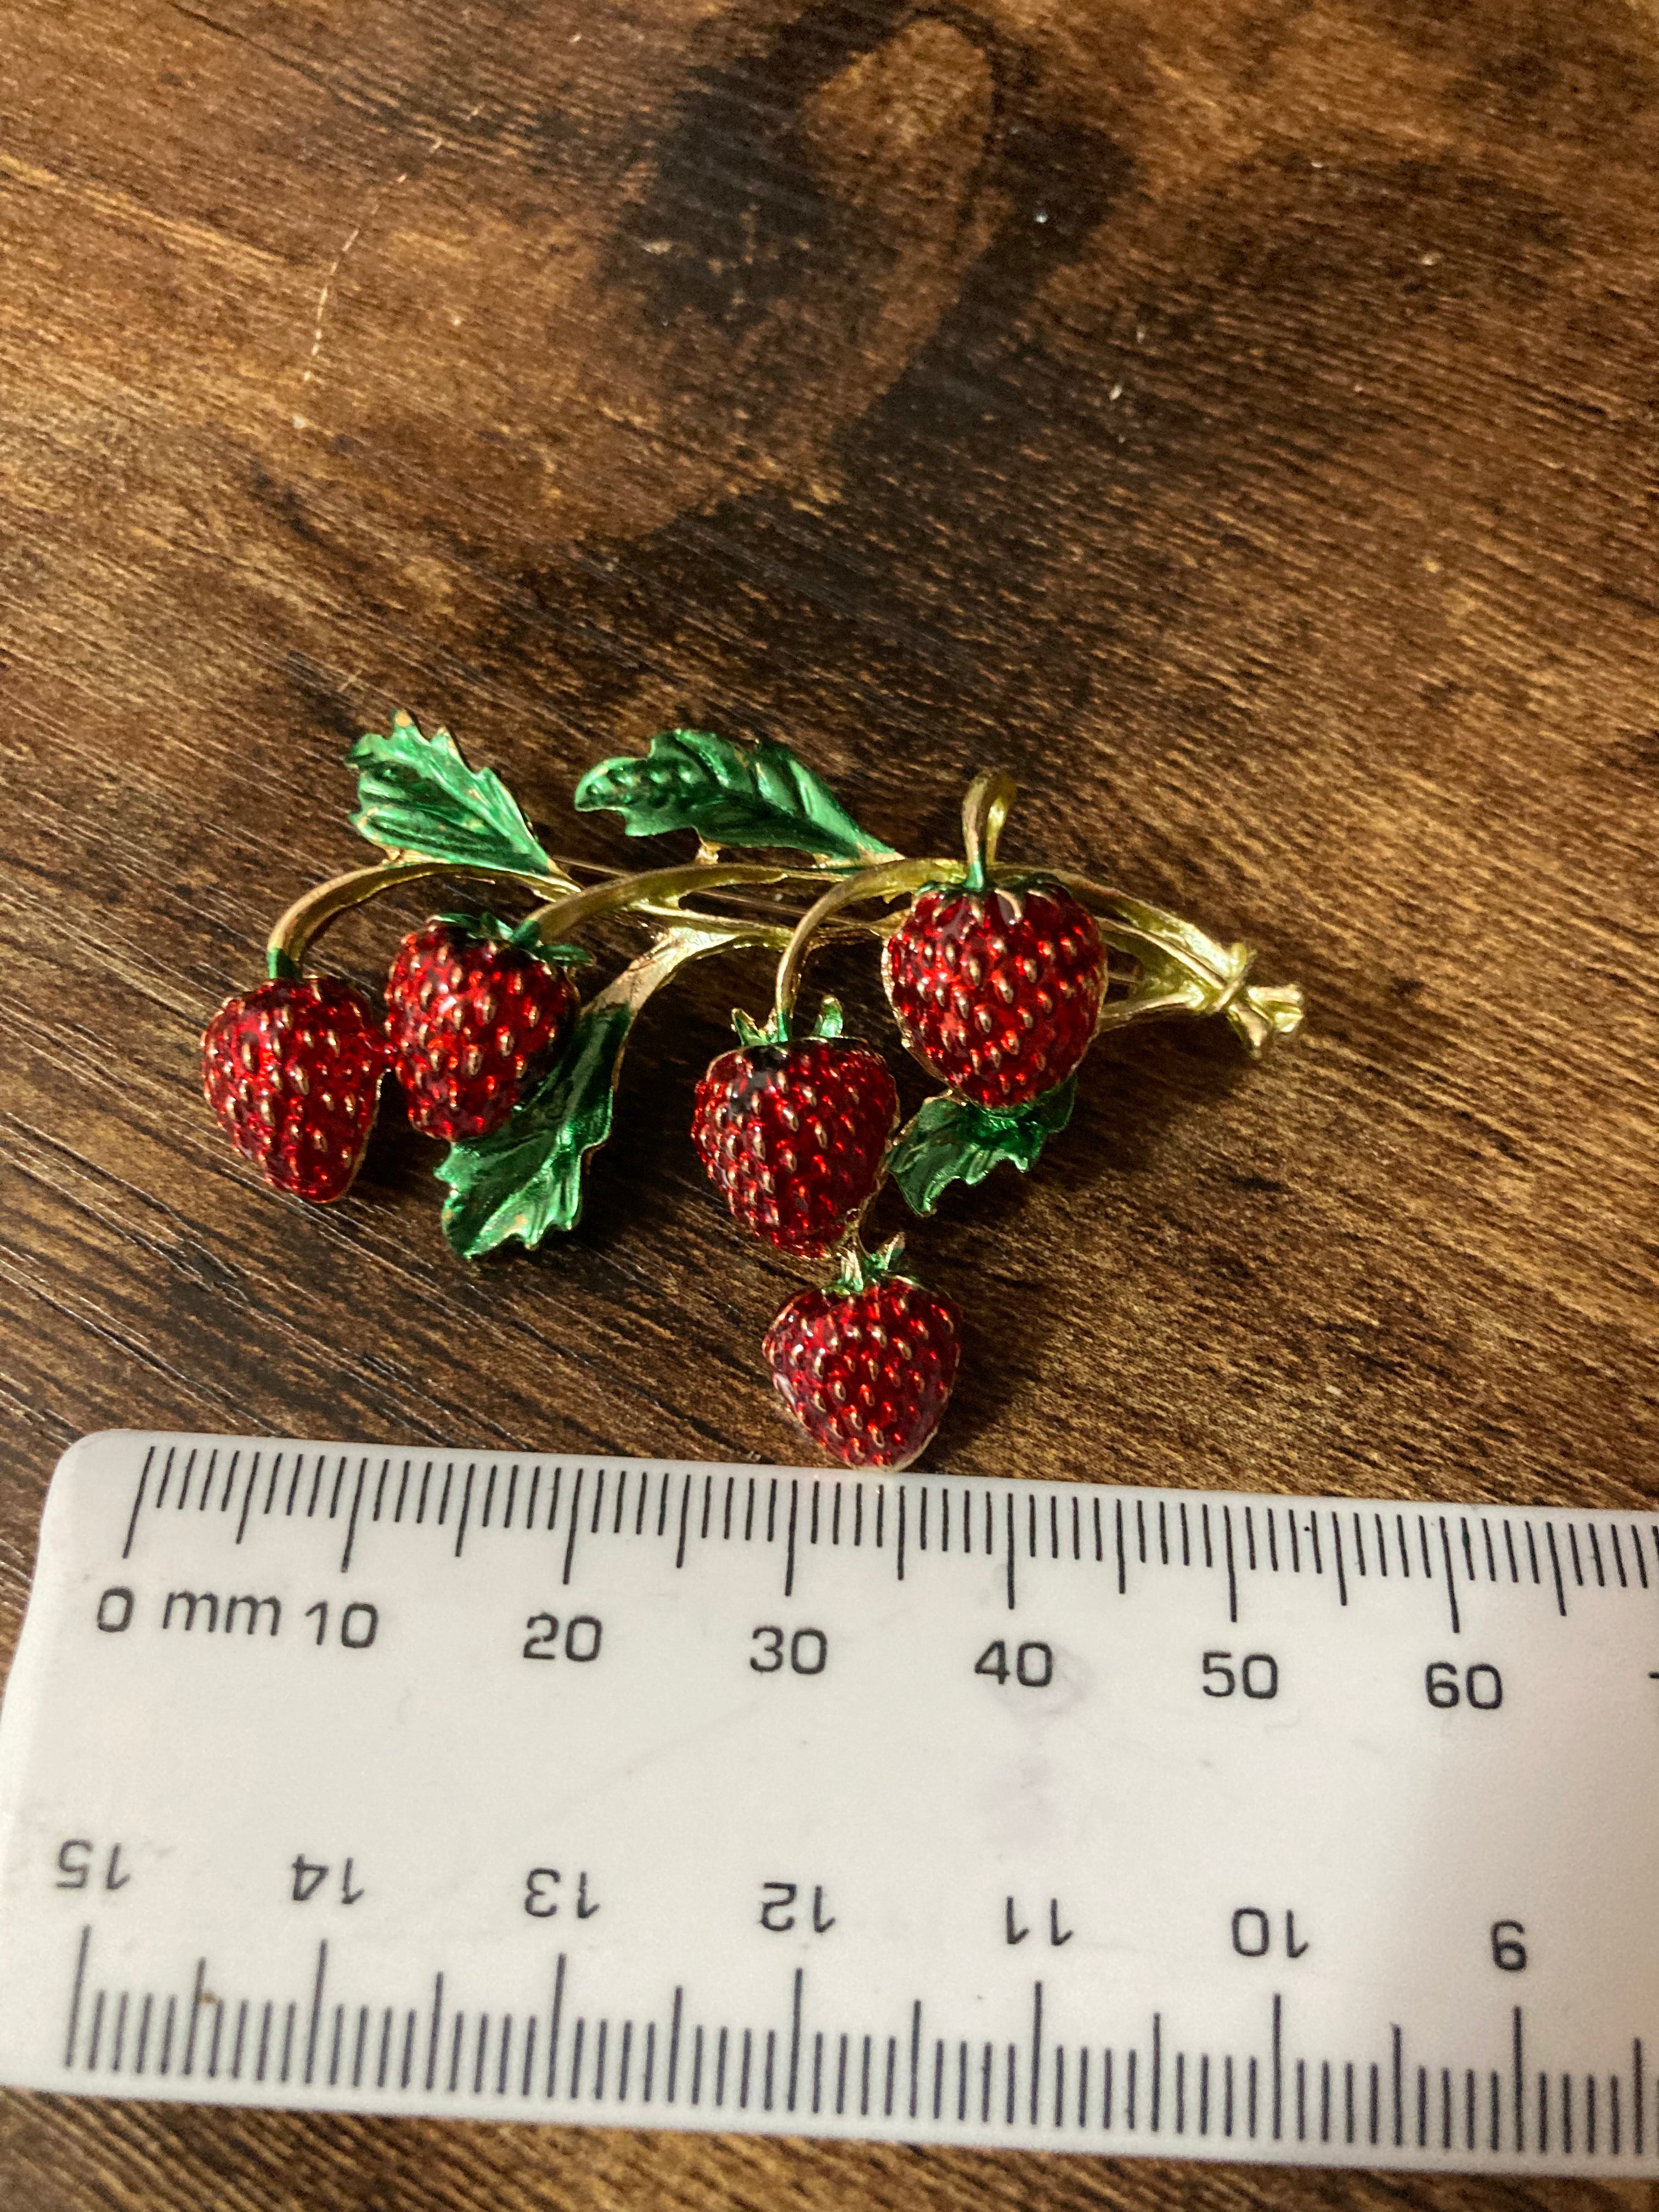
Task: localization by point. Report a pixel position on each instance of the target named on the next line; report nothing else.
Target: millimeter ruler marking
(994, 1813)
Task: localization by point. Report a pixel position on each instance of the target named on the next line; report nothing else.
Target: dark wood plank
(1238, 419)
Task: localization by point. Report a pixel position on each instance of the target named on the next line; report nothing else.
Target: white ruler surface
(1035, 1814)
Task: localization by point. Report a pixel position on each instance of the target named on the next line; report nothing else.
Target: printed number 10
(359, 1624)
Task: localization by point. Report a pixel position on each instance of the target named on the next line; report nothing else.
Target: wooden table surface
(1237, 418)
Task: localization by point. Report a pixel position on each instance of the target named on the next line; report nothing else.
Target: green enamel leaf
(416, 794)
(952, 1140)
(730, 795)
(527, 1178)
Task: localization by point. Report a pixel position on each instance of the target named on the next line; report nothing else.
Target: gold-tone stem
(656, 886)
(309, 915)
(984, 810)
(1183, 970)
(889, 879)
(609, 891)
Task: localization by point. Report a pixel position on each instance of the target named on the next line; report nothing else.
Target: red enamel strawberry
(470, 1008)
(292, 1071)
(867, 1365)
(997, 991)
(793, 1134)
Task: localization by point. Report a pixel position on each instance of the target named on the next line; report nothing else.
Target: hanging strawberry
(997, 991)
(792, 1135)
(867, 1365)
(471, 1007)
(292, 1071)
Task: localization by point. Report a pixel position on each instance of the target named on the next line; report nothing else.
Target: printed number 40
(1033, 1666)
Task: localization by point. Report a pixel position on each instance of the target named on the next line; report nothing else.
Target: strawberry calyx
(486, 929)
(858, 1271)
(783, 1028)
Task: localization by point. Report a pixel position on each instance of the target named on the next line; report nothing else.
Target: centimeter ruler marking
(1152, 2090)
(1362, 1541)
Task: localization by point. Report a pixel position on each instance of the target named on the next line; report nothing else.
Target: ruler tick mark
(685, 1512)
(553, 2031)
(466, 1509)
(351, 1524)
(903, 1495)
(1122, 1571)
(74, 1996)
(433, 2032)
(138, 1502)
(1451, 1580)
(789, 1561)
(1555, 1568)
(1232, 1570)
(570, 1538)
(1010, 1565)
(599, 1501)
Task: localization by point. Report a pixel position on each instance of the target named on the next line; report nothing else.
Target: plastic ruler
(998, 1813)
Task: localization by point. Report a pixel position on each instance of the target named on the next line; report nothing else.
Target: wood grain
(1236, 418)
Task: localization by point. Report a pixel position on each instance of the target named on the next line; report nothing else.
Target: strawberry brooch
(999, 978)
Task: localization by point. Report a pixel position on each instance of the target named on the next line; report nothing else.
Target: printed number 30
(809, 1651)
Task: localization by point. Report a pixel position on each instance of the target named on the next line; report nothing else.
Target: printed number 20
(581, 1637)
